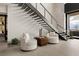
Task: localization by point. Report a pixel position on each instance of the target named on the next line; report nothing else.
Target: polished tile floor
(64, 48)
(3, 44)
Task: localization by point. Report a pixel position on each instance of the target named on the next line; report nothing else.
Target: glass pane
(48, 17)
(40, 9)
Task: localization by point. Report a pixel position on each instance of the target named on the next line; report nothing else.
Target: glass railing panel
(40, 9)
(60, 30)
(54, 23)
(47, 16)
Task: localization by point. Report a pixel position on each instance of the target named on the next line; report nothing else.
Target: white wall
(59, 14)
(19, 22)
(3, 8)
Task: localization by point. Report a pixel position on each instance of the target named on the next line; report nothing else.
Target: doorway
(3, 28)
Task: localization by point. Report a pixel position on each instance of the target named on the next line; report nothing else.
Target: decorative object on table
(27, 44)
(15, 41)
(42, 40)
(53, 37)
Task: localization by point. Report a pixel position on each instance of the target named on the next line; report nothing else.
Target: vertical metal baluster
(22, 4)
(51, 19)
(36, 5)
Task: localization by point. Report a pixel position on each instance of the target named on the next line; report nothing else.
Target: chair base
(31, 45)
(53, 40)
(27, 50)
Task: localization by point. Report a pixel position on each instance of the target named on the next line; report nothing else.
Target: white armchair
(27, 44)
(53, 37)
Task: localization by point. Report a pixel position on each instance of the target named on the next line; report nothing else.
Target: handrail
(52, 16)
(60, 26)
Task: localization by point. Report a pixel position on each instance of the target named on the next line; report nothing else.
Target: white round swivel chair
(53, 37)
(27, 44)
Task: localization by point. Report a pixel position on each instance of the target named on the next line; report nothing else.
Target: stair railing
(50, 18)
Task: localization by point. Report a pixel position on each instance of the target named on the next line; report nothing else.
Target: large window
(74, 25)
(74, 22)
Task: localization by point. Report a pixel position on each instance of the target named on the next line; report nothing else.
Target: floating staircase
(37, 16)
